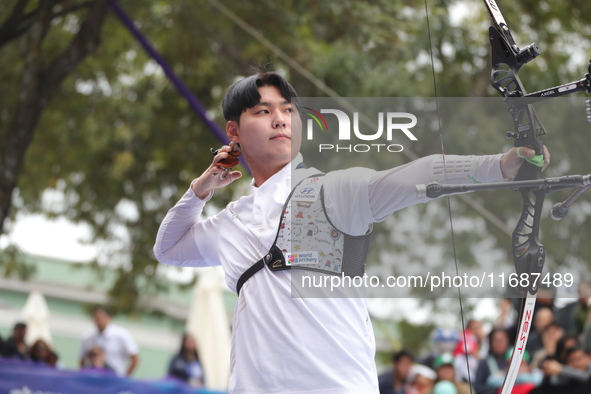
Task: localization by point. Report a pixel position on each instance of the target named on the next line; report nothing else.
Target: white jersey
(116, 342)
(282, 344)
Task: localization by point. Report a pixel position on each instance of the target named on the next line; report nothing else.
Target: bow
(527, 250)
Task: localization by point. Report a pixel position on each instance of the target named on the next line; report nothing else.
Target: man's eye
(289, 109)
(263, 111)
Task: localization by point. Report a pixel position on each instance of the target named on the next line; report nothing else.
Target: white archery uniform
(282, 344)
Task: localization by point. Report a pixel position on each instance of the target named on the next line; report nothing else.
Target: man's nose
(279, 120)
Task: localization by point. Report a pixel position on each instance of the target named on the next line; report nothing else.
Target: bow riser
(504, 78)
(528, 252)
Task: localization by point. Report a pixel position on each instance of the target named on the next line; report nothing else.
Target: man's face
(189, 344)
(579, 360)
(268, 133)
(446, 372)
(101, 319)
(402, 368)
(423, 384)
(543, 318)
(19, 333)
(476, 329)
(553, 334)
(499, 343)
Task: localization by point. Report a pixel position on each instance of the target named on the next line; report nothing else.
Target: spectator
(542, 318)
(42, 355)
(511, 307)
(53, 360)
(97, 362)
(574, 377)
(585, 336)
(185, 364)
(578, 359)
(444, 367)
(525, 381)
(562, 316)
(15, 347)
(572, 316)
(553, 364)
(121, 351)
(396, 380)
(494, 363)
(563, 344)
(422, 380)
(550, 337)
(466, 351)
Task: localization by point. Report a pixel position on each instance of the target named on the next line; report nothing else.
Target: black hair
(101, 308)
(550, 326)
(560, 353)
(492, 334)
(244, 94)
(568, 352)
(401, 354)
(20, 325)
(182, 349)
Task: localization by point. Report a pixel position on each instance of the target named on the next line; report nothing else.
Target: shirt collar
(106, 331)
(285, 171)
(296, 161)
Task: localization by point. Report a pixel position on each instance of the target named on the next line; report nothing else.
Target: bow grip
(529, 170)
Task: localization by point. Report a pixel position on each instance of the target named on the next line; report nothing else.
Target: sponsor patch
(307, 193)
(301, 258)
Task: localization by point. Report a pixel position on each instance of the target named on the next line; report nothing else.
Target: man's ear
(232, 131)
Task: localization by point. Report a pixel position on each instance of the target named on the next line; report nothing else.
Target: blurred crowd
(107, 349)
(557, 357)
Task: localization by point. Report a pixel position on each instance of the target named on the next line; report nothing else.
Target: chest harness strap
(345, 254)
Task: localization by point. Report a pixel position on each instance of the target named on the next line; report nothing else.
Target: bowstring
(453, 240)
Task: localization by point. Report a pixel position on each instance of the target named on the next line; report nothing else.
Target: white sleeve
(346, 199)
(356, 197)
(177, 239)
(131, 348)
(395, 189)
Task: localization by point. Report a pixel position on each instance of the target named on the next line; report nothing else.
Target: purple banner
(27, 378)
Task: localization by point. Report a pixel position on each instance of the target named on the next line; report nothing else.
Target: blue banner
(27, 378)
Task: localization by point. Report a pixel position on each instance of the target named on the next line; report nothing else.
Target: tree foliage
(113, 135)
